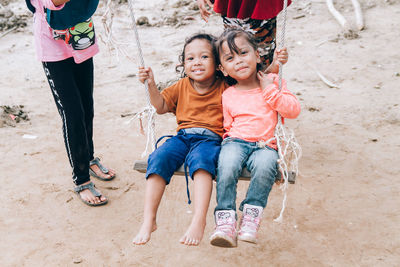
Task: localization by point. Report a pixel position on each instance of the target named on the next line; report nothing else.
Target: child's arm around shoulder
(156, 99)
(283, 101)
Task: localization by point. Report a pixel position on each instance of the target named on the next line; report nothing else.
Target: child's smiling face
(240, 65)
(199, 61)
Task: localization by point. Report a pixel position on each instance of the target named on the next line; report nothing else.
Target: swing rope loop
(149, 110)
(288, 149)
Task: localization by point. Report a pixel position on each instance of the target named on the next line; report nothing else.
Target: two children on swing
(250, 106)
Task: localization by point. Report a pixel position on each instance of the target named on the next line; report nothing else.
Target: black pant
(72, 88)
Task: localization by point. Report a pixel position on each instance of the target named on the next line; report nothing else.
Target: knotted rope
(108, 38)
(288, 149)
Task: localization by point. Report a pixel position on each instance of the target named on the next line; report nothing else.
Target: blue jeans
(196, 148)
(262, 164)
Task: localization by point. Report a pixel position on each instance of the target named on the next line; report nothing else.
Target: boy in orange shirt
(196, 102)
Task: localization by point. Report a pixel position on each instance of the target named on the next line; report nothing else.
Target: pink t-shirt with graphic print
(48, 49)
(251, 115)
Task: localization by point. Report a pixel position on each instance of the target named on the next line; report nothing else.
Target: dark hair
(198, 36)
(229, 35)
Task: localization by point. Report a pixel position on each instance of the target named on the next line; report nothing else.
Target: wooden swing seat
(141, 166)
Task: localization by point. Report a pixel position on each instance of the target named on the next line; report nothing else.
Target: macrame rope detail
(288, 149)
(109, 40)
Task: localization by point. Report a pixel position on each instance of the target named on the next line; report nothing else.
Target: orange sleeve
(171, 94)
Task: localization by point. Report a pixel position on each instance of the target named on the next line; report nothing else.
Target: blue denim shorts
(196, 148)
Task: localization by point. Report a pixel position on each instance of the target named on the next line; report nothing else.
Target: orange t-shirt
(193, 109)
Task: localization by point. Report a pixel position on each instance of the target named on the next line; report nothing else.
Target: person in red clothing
(256, 17)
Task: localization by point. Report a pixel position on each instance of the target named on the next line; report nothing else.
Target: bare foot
(193, 235)
(98, 172)
(144, 233)
(88, 196)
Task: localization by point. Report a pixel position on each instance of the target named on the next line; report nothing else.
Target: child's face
(199, 61)
(240, 66)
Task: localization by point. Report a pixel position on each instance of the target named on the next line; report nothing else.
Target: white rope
(149, 109)
(140, 116)
(288, 149)
(112, 44)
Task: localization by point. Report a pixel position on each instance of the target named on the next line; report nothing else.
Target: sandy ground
(342, 211)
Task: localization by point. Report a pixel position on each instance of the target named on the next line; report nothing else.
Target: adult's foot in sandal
(99, 171)
(89, 198)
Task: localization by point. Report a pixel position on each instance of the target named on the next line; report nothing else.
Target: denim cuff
(199, 131)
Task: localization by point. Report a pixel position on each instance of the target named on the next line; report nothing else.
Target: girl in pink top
(67, 60)
(250, 109)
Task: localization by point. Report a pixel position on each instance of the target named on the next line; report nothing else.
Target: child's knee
(227, 171)
(201, 173)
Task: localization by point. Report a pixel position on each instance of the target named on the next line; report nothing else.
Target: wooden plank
(141, 166)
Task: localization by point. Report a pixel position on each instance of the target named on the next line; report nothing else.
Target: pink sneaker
(250, 223)
(225, 234)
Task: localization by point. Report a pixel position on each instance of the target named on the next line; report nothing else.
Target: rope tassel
(289, 154)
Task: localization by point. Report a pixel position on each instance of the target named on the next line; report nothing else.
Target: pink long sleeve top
(48, 49)
(251, 115)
